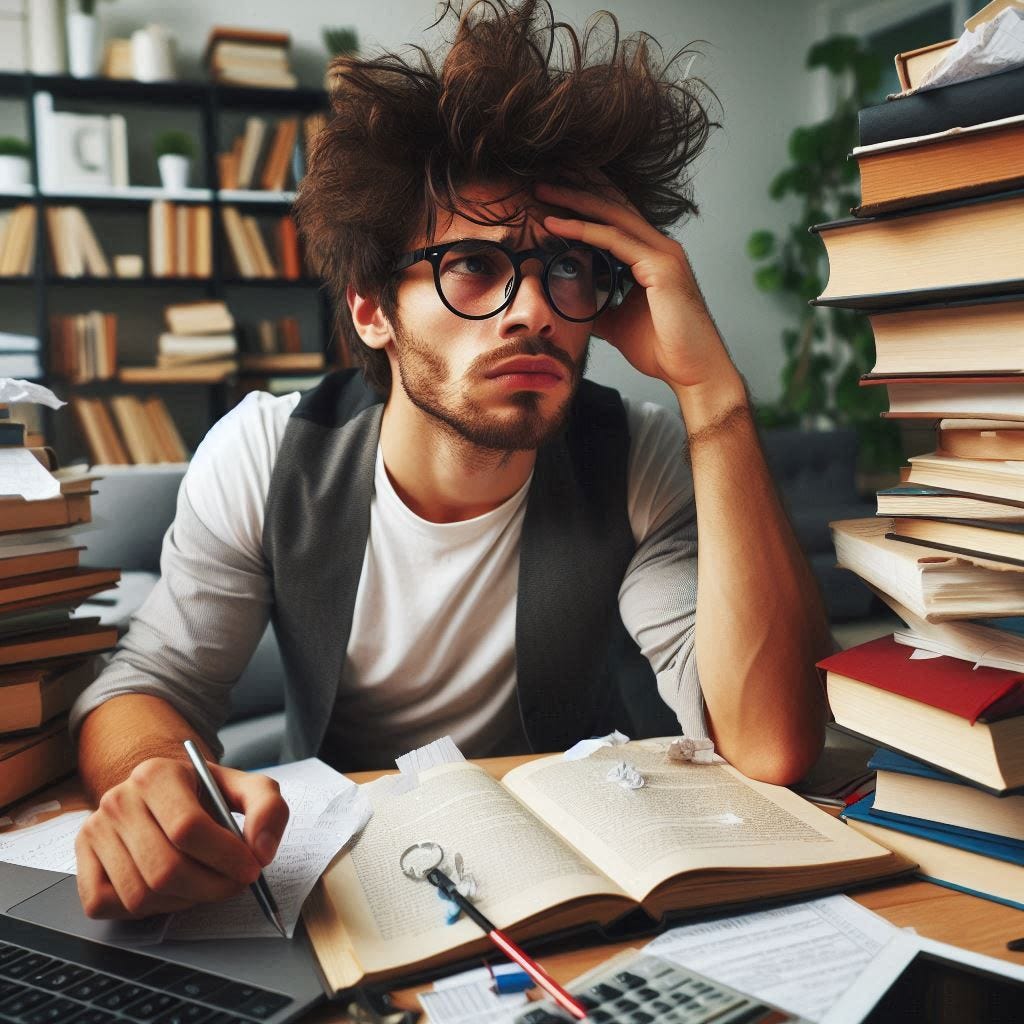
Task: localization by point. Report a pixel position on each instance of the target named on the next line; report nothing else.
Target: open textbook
(555, 846)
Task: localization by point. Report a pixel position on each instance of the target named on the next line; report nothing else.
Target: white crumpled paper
(997, 45)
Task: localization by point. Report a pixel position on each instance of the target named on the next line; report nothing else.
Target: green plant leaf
(761, 244)
(837, 53)
(769, 278)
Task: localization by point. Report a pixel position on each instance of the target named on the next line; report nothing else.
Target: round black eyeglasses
(478, 278)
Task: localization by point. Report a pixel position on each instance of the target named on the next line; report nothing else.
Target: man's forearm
(761, 624)
(126, 730)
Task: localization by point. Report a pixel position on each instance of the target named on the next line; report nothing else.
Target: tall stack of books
(45, 652)
(245, 56)
(934, 256)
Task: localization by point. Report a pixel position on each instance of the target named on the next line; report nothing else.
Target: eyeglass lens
(476, 279)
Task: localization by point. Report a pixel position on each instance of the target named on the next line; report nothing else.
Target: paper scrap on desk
(49, 845)
(327, 810)
(802, 956)
(585, 748)
(996, 45)
(23, 475)
(13, 390)
(467, 998)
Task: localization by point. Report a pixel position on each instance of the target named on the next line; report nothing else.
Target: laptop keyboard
(36, 988)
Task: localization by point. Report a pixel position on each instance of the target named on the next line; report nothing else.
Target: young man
(459, 538)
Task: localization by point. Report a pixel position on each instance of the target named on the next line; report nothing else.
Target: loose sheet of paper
(996, 45)
(21, 473)
(467, 998)
(801, 957)
(327, 810)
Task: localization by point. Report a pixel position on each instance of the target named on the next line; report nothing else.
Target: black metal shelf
(17, 279)
(57, 280)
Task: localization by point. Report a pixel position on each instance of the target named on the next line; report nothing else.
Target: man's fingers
(259, 798)
(598, 207)
(189, 827)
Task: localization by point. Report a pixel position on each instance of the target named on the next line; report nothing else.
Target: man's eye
(569, 269)
(473, 266)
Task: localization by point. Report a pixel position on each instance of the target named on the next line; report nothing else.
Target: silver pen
(259, 888)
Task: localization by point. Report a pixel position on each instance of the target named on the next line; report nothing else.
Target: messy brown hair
(519, 98)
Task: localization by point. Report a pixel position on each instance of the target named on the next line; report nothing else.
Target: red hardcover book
(948, 684)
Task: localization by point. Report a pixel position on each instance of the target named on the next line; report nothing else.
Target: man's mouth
(528, 371)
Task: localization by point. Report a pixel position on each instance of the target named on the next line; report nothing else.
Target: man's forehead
(492, 212)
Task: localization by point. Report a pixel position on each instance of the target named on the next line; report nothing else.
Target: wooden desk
(934, 911)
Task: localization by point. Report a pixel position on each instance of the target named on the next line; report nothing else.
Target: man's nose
(529, 312)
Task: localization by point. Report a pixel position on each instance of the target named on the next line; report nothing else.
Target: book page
(686, 817)
(384, 920)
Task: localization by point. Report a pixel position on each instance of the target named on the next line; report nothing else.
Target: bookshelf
(32, 298)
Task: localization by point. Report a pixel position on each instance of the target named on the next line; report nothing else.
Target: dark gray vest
(576, 545)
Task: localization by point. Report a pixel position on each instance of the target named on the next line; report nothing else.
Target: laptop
(58, 965)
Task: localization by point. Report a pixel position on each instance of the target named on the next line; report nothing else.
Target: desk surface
(934, 911)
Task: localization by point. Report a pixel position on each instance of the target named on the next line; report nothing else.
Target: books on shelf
(964, 720)
(75, 251)
(83, 346)
(579, 852)
(180, 239)
(241, 56)
(212, 371)
(18, 241)
(934, 584)
(206, 316)
(960, 338)
(249, 250)
(262, 157)
(127, 430)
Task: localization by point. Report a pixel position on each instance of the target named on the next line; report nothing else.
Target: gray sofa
(133, 506)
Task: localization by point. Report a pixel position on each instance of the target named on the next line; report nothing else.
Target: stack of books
(198, 333)
(45, 652)
(180, 239)
(934, 256)
(245, 56)
(18, 241)
(19, 356)
(277, 348)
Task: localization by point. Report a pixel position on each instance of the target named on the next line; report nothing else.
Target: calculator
(639, 988)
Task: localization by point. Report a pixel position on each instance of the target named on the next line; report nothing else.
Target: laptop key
(190, 1013)
(91, 1015)
(21, 1002)
(118, 998)
(34, 963)
(60, 978)
(151, 1005)
(264, 1006)
(232, 995)
(58, 1009)
(92, 988)
(199, 985)
(9, 953)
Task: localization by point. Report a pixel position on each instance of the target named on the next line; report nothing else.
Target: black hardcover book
(950, 106)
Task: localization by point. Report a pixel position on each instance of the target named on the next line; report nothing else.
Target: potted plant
(174, 154)
(339, 42)
(15, 169)
(827, 350)
(83, 39)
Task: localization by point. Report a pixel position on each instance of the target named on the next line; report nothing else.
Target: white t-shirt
(432, 645)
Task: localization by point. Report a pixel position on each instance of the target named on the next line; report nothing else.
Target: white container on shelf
(153, 54)
(83, 44)
(174, 170)
(45, 38)
(15, 173)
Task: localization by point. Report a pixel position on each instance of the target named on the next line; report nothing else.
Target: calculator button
(605, 993)
(629, 980)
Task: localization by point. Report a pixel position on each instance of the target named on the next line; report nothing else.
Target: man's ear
(370, 322)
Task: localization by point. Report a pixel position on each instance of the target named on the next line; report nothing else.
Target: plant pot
(83, 45)
(174, 171)
(15, 172)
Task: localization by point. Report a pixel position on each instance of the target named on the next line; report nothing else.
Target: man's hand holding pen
(153, 846)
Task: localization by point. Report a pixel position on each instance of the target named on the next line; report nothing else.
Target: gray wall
(753, 59)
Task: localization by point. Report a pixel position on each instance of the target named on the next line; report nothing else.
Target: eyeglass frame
(622, 278)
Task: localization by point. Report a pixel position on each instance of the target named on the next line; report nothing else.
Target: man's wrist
(706, 405)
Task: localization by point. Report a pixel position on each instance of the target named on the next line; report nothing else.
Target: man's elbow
(781, 761)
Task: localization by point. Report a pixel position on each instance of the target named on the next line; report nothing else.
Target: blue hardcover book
(1012, 624)
(863, 811)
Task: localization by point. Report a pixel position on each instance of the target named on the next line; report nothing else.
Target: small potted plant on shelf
(83, 39)
(174, 154)
(15, 170)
